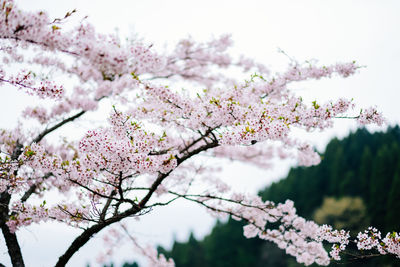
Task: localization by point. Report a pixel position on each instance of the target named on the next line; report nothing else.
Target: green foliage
(133, 264)
(359, 176)
(362, 164)
(348, 213)
(392, 218)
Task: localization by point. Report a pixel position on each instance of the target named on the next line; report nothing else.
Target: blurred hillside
(357, 184)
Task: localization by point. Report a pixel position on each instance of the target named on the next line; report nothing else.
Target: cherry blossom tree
(147, 152)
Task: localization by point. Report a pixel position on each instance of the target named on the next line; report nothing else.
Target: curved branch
(10, 238)
(33, 187)
(14, 250)
(82, 239)
(111, 196)
(106, 206)
(39, 44)
(162, 176)
(58, 125)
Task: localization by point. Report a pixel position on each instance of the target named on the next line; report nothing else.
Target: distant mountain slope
(361, 165)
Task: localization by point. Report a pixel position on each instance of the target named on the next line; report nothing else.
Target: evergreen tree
(365, 173)
(393, 203)
(362, 165)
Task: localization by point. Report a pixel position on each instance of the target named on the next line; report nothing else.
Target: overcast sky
(330, 31)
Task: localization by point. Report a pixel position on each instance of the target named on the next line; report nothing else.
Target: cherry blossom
(146, 152)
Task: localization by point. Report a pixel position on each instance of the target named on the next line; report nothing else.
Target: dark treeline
(357, 184)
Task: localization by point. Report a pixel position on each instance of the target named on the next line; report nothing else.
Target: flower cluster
(24, 214)
(370, 115)
(371, 239)
(25, 80)
(113, 241)
(146, 154)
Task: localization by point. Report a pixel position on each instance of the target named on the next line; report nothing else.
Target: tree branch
(58, 125)
(106, 206)
(14, 250)
(32, 188)
(83, 238)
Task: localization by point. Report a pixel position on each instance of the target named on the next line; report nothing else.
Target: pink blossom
(147, 152)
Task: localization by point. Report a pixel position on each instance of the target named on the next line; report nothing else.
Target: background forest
(355, 185)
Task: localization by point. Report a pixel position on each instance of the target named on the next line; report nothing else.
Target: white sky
(330, 31)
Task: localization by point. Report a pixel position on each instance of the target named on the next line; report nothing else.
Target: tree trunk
(83, 238)
(13, 247)
(14, 251)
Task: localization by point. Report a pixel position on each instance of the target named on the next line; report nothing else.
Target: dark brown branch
(263, 208)
(120, 191)
(162, 176)
(20, 84)
(106, 206)
(13, 246)
(82, 239)
(153, 188)
(28, 193)
(17, 151)
(77, 215)
(11, 238)
(197, 151)
(58, 125)
(14, 250)
(38, 43)
(88, 233)
(163, 203)
(202, 137)
(32, 188)
(100, 194)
